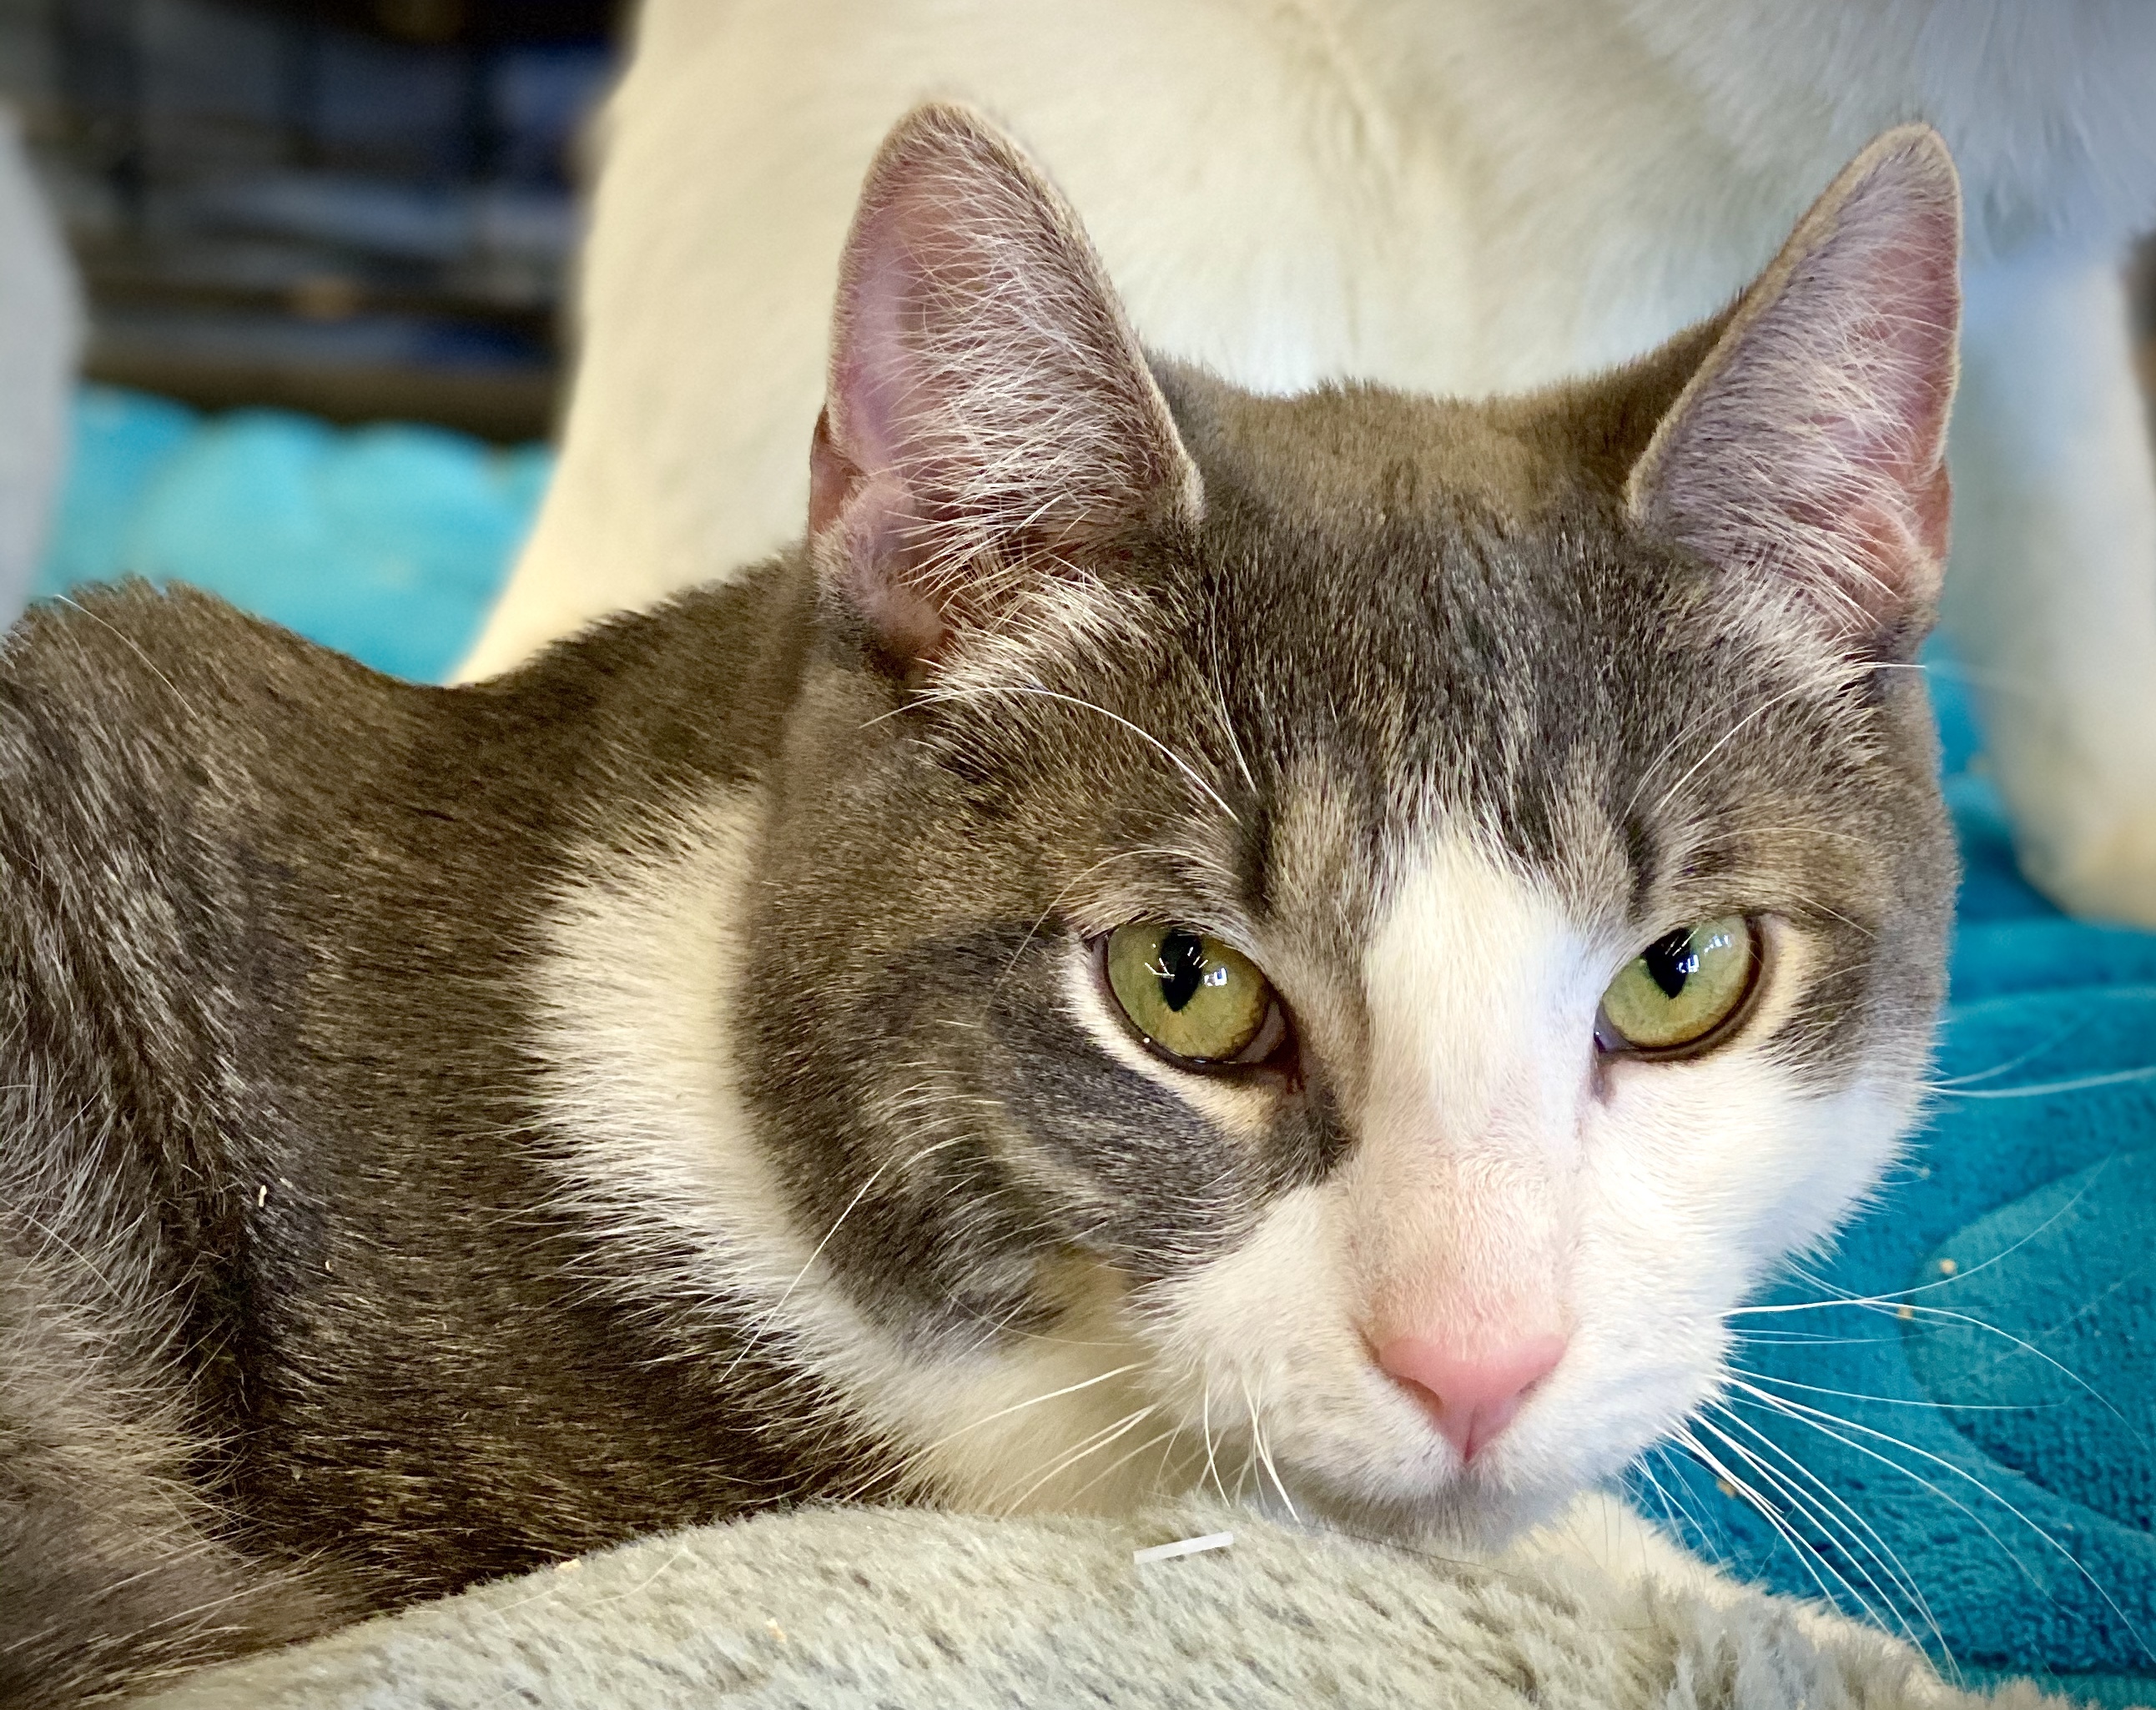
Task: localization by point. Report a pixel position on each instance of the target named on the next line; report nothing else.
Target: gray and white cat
(1176, 931)
(1457, 197)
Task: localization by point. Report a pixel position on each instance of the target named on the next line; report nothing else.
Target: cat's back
(137, 718)
(178, 786)
(233, 861)
(131, 715)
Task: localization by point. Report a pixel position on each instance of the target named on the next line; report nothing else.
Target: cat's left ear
(990, 420)
(1806, 457)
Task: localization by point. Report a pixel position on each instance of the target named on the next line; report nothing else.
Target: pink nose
(1470, 1398)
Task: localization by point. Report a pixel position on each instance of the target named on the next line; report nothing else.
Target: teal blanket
(1947, 1423)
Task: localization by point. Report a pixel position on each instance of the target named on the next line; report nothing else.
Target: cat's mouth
(1474, 1510)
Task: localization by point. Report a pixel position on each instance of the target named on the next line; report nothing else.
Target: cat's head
(1427, 903)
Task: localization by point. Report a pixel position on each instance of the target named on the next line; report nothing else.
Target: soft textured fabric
(907, 1610)
(1994, 1498)
(388, 542)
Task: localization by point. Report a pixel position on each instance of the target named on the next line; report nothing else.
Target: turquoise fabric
(388, 541)
(1994, 1496)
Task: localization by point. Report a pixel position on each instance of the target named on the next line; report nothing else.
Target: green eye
(1683, 987)
(1191, 995)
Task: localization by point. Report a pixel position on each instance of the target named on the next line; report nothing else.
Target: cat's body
(273, 1117)
(1459, 197)
(446, 1129)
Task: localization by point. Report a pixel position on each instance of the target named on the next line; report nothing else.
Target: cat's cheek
(1699, 1181)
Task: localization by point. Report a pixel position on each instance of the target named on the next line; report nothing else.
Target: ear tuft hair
(1807, 455)
(989, 417)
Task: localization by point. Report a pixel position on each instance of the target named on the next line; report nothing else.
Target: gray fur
(304, 1312)
(837, 1609)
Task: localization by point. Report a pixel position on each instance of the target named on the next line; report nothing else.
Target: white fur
(651, 1138)
(40, 337)
(1501, 1182)
(1458, 196)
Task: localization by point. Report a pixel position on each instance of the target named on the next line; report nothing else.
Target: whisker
(1781, 1383)
(1124, 1460)
(1765, 1509)
(1852, 1522)
(1190, 772)
(1721, 743)
(1205, 1424)
(1809, 1509)
(1819, 1422)
(2042, 1090)
(1091, 1445)
(770, 1315)
(1265, 1455)
(1939, 1314)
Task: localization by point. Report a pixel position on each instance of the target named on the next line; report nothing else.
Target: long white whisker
(1765, 1509)
(1721, 742)
(1265, 1455)
(1939, 1314)
(1817, 1420)
(1190, 772)
(1086, 1446)
(1205, 1424)
(1799, 1500)
(1851, 1524)
(770, 1315)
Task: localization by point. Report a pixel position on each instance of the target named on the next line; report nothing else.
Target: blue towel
(1950, 1417)
(388, 542)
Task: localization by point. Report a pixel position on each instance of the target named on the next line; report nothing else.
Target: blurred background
(324, 247)
(360, 208)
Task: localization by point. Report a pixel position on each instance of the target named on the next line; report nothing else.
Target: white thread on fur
(1184, 1546)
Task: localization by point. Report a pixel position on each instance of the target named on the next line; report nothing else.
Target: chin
(1469, 1512)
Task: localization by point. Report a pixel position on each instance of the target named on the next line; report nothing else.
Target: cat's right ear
(989, 419)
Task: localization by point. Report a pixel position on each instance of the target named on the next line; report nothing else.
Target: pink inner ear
(989, 413)
(868, 384)
(1812, 445)
(871, 516)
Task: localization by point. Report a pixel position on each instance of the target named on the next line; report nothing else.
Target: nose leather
(1470, 1397)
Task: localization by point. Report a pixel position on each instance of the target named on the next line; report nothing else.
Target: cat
(1461, 196)
(1175, 931)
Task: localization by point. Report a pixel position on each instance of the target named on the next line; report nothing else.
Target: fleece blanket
(898, 1609)
(1947, 1427)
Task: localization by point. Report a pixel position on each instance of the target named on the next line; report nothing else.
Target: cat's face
(1373, 898)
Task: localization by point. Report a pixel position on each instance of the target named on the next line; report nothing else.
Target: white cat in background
(1456, 196)
(40, 339)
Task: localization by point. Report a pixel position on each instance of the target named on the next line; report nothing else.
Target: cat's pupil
(1181, 968)
(1672, 960)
